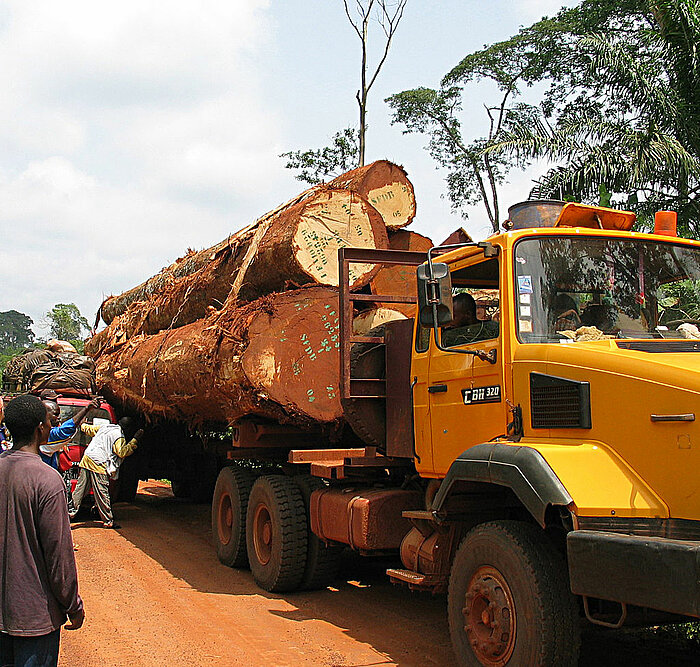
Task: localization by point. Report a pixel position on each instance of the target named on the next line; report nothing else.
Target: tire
(322, 561)
(509, 569)
(228, 515)
(203, 480)
(276, 535)
(367, 416)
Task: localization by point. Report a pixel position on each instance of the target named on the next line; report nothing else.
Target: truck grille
(559, 403)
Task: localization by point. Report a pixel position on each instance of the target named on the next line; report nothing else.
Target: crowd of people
(38, 576)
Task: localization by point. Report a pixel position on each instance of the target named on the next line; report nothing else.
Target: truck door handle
(437, 388)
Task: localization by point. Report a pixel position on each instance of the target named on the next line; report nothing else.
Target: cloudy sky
(132, 131)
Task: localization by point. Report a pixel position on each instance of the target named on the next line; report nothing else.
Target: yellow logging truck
(539, 463)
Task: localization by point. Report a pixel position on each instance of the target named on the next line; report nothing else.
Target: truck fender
(519, 468)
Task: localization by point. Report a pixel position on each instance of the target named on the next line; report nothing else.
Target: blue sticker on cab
(525, 284)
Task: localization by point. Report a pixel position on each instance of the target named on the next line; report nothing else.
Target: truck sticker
(524, 311)
(525, 284)
(525, 299)
(525, 326)
(490, 394)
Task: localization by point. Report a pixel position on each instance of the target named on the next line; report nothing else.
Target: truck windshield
(588, 288)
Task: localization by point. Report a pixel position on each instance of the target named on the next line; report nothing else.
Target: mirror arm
(489, 356)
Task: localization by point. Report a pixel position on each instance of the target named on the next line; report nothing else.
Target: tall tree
(15, 330)
(65, 322)
(388, 15)
(348, 148)
(619, 114)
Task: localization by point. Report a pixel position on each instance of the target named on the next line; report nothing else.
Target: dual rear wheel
(263, 523)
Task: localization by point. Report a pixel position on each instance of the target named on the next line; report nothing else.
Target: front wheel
(509, 601)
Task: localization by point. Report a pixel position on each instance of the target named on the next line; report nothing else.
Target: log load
(276, 357)
(300, 246)
(374, 317)
(387, 188)
(401, 280)
(382, 182)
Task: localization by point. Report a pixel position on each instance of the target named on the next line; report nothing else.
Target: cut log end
(337, 219)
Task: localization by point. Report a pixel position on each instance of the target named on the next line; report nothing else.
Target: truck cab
(560, 429)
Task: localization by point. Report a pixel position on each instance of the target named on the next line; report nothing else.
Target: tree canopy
(15, 331)
(66, 323)
(619, 111)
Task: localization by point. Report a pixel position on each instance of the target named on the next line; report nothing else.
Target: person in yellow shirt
(101, 461)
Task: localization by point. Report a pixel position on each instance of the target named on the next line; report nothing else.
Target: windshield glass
(587, 288)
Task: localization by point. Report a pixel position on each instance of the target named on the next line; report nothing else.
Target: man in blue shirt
(60, 436)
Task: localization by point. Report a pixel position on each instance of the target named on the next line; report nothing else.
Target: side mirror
(435, 291)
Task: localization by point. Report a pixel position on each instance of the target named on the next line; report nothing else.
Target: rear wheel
(276, 536)
(509, 601)
(228, 515)
(322, 561)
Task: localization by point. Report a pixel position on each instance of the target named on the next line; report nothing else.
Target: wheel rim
(262, 534)
(489, 617)
(225, 519)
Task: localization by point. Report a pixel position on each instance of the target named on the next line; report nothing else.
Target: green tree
(619, 113)
(65, 322)
(15, 331)
(316, 166)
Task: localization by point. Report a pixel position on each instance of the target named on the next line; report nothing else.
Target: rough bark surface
(301, 246)
(383, 183)
(276, 357)
(401, 280)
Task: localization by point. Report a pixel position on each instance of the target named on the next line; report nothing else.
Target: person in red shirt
(38, 576)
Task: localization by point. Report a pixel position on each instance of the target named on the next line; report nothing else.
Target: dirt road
(156, 595)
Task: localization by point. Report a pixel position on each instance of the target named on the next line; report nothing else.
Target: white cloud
(128, 132)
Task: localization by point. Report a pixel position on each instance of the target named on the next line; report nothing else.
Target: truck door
(466, 394)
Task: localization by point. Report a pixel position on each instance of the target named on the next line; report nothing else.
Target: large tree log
(387, 188)
(401, 280)
(277, 357)
(386, 183)
(299, 246)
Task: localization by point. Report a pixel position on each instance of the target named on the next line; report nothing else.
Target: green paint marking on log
(310, 394)
(307, 347)
(331, 391)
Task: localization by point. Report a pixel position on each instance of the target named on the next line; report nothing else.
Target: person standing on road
(38, 576)
(102, 458)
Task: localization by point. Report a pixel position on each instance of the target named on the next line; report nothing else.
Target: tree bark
(299, 246)
(277, 357)
(385, 183)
